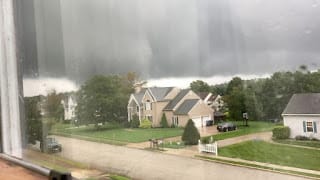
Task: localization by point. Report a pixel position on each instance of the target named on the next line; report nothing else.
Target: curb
(257, 168)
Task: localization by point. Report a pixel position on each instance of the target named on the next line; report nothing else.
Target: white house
(69, 103)
(302, 115)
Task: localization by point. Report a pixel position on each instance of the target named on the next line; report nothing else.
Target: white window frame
(309, 126)
(9, 79)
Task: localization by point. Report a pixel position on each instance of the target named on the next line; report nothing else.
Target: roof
(176, 100)
(139, 96)
(186, 106)
(203, 95)
(303, 104)
(160, 92)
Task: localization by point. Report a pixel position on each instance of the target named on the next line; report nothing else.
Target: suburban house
(69, 104)
(178, 105)
(211, 100)
(302, 115)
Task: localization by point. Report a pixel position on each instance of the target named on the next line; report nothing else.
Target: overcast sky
(163, 39)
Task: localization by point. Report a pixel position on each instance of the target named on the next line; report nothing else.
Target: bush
(190, 134)
(281, 132)
(207, 140)
(164, 122)
(134, 123)
(145, 124)
(302, 138)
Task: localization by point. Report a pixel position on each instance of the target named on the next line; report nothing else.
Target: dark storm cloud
(178, 38)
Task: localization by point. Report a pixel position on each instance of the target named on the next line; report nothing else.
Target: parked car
(226, 126)
(52, 145)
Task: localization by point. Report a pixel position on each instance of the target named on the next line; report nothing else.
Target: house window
(148, 105)
(309, 126)
(137, 109)
(175, 121)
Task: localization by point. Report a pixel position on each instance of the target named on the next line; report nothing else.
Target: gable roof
(186, 106)
(160, 92)
(176, 100)
(139, 96)
(308, 103)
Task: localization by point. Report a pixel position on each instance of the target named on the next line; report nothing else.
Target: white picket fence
(210, 148)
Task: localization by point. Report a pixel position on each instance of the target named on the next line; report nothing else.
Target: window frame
(309, 128)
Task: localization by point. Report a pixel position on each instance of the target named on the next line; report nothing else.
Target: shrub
(281, 132)
(207, 140)
(164, 122)
(190, 134)
(145, 124)
(302, 138)
(134, 123)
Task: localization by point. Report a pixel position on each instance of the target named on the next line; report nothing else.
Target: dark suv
(53, 145)
(226, 126)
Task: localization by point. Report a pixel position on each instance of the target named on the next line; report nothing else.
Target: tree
(134, 123)
(103, 99)
(236, 82)
(190, 134)
(235, 98)
(199, 86)
(54, 108)
(33, 118)
(164, 122)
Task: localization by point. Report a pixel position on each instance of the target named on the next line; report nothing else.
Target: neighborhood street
(142, 164)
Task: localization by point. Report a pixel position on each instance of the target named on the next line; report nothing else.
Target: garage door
(197, 121)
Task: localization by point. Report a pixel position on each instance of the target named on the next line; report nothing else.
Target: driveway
(142, 164)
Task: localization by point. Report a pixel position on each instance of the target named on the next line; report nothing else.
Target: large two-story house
(178, 106)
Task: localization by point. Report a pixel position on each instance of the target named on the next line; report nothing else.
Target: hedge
(282, 132)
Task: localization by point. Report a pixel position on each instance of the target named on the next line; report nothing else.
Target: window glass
(309, 126)
(86, 67)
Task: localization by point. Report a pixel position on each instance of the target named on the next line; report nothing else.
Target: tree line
(265, 98)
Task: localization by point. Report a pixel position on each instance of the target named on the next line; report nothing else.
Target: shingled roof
(176, 100)
(139, 96)
(160, 92)
(303, 104)
(186, 106)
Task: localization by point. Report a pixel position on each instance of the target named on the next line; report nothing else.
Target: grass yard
(273, 153)
(122, 134)
(254, 127)
(314, 144)
(174, 145)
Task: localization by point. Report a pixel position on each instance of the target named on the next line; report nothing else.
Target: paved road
(142, 164)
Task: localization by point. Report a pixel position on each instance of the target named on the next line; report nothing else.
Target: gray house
(302, 115)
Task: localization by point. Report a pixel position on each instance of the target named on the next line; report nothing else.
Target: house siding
(295, 123)
(201, 109)
(183, 120)
(172, 94)
(157, 113)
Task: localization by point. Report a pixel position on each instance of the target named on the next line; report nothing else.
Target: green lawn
(315, 144)
(122, 134)
(273, 153)
(254, 127)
